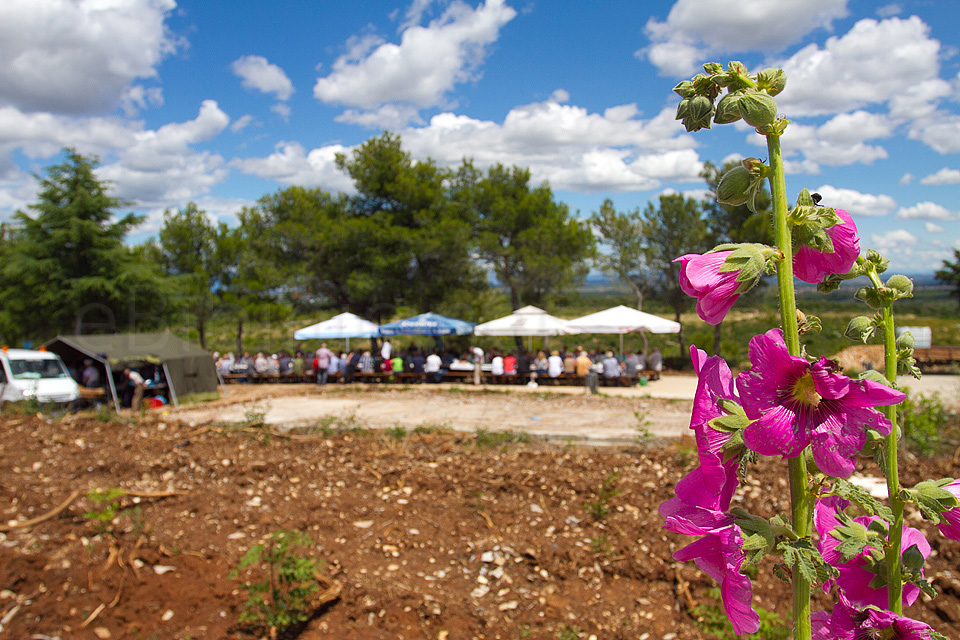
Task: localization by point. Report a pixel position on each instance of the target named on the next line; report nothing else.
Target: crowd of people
(509, 366)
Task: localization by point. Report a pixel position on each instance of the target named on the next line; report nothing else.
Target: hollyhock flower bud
(813, 266)
(757, 109)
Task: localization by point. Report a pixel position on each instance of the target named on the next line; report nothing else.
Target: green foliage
(108, 503)
(484, 439)
(622, 238)
(398, 433)
(600, 507)
(714, 623)
(287, 579)
(950, 275)
(65, 266)
(534, 246)
(928, 425)
(568, 632)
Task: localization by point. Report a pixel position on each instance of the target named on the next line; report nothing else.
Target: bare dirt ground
(431, 533)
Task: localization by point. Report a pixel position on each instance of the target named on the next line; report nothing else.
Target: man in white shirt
(432, 367)
(477, 363)
(135, 389)
(386, 350)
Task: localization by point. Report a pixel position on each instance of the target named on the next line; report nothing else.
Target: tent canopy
(189, 369)
(622, 319)
(427, 324)
(527, 321)
(345, 325)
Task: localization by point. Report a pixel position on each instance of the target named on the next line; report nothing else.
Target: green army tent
(187, 368)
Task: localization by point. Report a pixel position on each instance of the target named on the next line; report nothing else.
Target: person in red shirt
(510, 365)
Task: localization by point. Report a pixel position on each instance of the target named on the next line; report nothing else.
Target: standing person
(583, 364)
(477, 363)
(323, 363)
(631, 366)
(386, 350)
(133, 394)
(90, 377)
(655, 362)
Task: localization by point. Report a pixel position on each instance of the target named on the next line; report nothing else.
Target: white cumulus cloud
(697, 29)
(933, 228)
(427, 63)
(257, 73)
(856, 203)
(291, 164)
(875, 62)
(944, 176)
(79, 56)
(927, 211)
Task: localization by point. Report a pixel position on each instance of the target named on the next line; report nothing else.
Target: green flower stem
(895, 541)
(799, 493)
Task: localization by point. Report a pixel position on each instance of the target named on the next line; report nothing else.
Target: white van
(40, 375)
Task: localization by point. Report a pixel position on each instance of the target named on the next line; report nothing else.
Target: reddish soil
(434, 535)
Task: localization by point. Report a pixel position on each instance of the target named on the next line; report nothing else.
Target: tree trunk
(639, 294)
(683, 344)
(239, 336)
(716, 338)
(201, 332)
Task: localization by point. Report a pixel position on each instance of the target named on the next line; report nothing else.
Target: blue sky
(221, 103)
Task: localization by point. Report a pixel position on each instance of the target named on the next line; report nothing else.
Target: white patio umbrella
(345, 325)
(528, 321)
(621, 320)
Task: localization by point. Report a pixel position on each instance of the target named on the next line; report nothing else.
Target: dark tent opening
(184, 369)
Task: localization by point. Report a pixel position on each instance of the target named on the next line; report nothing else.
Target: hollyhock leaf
(781, 573)
(860, 497)
(729, 423)
(853, 539)
(931, 499)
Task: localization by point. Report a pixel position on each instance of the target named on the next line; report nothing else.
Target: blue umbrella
(427, 324)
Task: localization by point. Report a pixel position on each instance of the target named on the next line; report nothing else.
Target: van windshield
(36, 369)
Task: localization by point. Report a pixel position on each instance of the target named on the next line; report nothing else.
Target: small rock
(480, 591)
(102, 632)
(161, 569)
(254, 501)
(168, 614)
(363, 524)
(487, 556)
(509, 606)
(535, 508)
(236, 535)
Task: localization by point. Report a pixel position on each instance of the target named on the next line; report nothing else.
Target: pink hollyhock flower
(854, 577)
(813, 266)
(720, 555)
(849, 623)
(704, 493)
(951, 528)
(700, 278)
(794, 404)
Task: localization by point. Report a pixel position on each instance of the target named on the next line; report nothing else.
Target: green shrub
(928, 425)
(281, 598)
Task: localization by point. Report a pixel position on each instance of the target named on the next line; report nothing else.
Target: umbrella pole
(621, 346)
